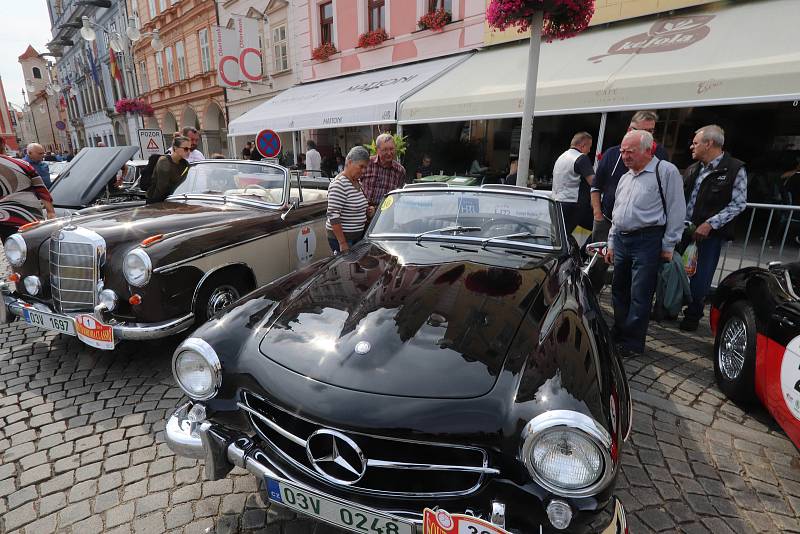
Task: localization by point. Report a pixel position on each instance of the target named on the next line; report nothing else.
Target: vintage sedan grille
(74, 269)
(395, 468)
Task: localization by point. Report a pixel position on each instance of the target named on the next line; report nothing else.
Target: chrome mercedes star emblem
(336, 457)
(363, 347)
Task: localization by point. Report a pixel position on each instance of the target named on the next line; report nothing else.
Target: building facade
(42, 102)
(180, 80)
(8, 121)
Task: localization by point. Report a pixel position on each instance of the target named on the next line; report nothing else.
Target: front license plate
(340, 513)
(49, 321)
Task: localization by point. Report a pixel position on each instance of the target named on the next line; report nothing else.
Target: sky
(22, 22)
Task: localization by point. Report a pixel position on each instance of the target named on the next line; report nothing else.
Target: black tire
(217, 293)
(735, 352)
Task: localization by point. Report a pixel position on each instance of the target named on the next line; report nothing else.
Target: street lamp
(116, 39)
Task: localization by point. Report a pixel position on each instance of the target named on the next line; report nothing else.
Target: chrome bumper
(200, 440)
(13, 306)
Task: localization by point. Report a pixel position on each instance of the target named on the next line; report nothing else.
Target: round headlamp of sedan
(197, 369)
(137, 267)
(108, 298)
(16, 250)
(32, 285)
(567, 453)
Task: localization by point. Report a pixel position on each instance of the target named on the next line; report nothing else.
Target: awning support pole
(234, 151)
(399, 129)
(294, 146)
(600, 138)
(530, 98)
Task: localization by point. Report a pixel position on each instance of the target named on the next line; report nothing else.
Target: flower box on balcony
(323, 52)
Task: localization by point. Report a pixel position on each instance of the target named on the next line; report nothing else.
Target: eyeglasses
(648, 130)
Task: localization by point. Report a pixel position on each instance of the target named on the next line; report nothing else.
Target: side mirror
(294, 203)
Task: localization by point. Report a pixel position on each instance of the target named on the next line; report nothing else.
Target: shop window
(280, 50)
(376, 10)
(434, 5)
(326, 23)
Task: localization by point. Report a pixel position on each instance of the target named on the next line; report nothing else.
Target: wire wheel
(732, 347)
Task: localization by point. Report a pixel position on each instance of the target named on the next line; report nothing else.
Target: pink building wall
(406, 42)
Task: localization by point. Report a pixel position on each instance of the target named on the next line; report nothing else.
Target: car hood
(405, 320)
(88, 173)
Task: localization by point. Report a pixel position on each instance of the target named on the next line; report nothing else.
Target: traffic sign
(268, 143)
(151, 141)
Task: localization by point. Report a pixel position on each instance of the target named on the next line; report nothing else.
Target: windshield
(511, 219)
(250, 180)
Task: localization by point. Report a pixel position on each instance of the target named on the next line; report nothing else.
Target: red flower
(373, 38)
(562, 18)
(323, 52)
(134, 105)
(435, 20)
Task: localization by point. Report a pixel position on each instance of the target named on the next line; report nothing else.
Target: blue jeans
(637, 259)
(707, 258)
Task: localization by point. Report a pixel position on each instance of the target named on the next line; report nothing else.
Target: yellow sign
(387, 203)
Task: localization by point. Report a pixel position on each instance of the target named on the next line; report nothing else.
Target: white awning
(748, 52)
(367, 98)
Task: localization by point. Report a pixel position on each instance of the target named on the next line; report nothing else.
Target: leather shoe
(689, 324)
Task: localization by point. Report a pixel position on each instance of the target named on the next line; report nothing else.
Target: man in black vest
(715, 188)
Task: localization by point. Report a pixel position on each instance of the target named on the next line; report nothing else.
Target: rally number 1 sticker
(306, 244)
(440, 522)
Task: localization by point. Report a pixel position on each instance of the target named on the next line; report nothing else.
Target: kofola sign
(664, 36)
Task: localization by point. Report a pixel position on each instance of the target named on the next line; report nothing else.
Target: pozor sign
(238, 52)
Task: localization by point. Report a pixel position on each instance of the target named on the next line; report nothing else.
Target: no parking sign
(268, 143)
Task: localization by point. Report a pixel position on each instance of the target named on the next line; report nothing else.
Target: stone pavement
(81, 448)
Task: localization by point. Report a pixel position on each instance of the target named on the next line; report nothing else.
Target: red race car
(755, 318)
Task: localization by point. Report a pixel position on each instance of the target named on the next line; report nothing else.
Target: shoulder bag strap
(660, 189)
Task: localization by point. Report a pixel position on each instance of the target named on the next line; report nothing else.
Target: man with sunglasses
(170, 170)
(604, 187)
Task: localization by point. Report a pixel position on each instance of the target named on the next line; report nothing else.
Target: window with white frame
(376, 13)
(159, 69)
(152, 5)
(434, 5)
(205, 50)
(144, 84)
(180, 56)
(280, 49)
(170, 64)
(162, 4)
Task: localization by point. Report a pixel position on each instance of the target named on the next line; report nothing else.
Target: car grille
(74, 269)
(394, 468)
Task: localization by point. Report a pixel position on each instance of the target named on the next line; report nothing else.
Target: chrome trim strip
(468, 239)
(274, 426)
(432, 467)
(175, 265)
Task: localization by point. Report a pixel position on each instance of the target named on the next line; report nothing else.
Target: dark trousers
(708, 251)
(636, 264)
(570, 210)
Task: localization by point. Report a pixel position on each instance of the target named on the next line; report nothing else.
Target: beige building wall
(605, 11)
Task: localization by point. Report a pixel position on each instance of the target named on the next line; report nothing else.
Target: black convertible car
(455, 360)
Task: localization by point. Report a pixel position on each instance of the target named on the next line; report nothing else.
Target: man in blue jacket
(604, 187)
(35, 157)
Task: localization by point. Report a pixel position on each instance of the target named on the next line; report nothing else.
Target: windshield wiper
(519, 235)
(419, 237)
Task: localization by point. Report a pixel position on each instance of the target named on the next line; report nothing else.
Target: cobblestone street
(81, 435)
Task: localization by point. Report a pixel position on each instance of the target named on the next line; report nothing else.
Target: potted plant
(435, 20)
(562, 18)
(323, 52)
(373, 38)
(135, 106)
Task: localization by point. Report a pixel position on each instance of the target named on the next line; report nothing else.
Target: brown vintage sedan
(109, 274)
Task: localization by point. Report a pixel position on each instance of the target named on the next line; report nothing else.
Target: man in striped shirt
(384, 173)
(347, 207)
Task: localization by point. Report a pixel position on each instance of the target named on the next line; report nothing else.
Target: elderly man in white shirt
(648, 216)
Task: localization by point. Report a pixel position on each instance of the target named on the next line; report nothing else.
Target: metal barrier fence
(778, 225)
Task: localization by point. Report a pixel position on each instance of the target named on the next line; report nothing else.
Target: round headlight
(32, 285)
(567, 453)
(16, 250)
(108, 298)
(567, 459)
(137, 267)
(197, 369)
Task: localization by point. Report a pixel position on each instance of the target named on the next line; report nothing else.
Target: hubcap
(732, 347)
(221, 298)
